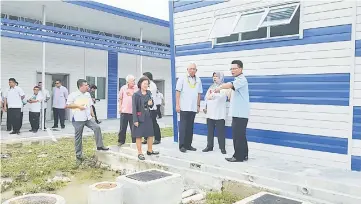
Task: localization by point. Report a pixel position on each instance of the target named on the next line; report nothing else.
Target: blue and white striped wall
(300, 88)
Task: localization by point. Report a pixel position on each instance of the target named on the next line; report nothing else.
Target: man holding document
(80, 103)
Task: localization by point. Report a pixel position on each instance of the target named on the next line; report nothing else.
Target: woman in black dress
(143, 124)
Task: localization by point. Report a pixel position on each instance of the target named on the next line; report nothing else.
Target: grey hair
(192, 63)
(129, 77)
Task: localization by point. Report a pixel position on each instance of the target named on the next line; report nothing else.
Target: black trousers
(9, 126)
(34, 118)
(239, 126)
(59, 113)
(95, 114)
(186, 125)
(21, 119)
(125, 119)
(221, 131)
(156, 129)
(158, 111)
(44, 118)
(14, 118)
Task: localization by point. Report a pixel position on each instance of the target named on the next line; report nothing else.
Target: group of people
(14, 100)
(188, 97)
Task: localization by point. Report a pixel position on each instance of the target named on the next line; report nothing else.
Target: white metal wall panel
(193, 26)
(358, 21)
(356, 147)
(160, 68)
(357, 84)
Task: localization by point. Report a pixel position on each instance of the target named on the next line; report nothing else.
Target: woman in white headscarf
(216, 113)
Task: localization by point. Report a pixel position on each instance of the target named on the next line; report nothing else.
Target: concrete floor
(111, 125)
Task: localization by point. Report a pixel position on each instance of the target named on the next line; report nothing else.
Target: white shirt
(80, 98)
(13, 97)
(153, 89)
(189, 88)
(217, 106)
(59, 97)
(46, 95)
(36, 107)
(158, 98)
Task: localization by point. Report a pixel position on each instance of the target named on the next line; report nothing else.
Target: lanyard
(192, 86)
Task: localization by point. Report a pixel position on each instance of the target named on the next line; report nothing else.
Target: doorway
(50, 79)
(160, 86)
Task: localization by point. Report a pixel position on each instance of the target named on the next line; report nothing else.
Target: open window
(249, 22)
(281, 15)
(222, 26)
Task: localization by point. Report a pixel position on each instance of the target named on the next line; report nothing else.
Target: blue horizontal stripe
(112, 82)
(119, 12)
(178, 4)
(287, 139)
(311, 36)
(195, 5)
(315, 89)
(356, 127)
(356, 163)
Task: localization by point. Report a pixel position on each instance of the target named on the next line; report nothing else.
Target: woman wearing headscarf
(216, 113)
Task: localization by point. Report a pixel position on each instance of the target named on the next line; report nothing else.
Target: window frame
(283, 4)
(219, 17)
(239, 16)
(284, 22)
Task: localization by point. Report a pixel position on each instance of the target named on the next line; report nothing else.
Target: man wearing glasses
(60, 95)
(239, 110)
(188, 98)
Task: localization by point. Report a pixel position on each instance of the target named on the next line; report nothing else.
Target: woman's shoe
(152, 153)
(141, 157)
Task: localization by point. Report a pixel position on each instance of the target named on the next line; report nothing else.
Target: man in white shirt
(46, 97)
(80, 103)
(14, 103)
(158, 100)
(34, 109)
(60, 95)
(153, 111)
(188, 98)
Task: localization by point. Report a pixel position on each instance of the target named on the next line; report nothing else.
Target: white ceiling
(70, 14)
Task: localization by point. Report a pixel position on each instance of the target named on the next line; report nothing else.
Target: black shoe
(35, 131)
(246, 158)
(223, 151)
(156, 142)
(183, 150)
(152, 153)
(54, 126)
(144, 142)
(8, 130)
(191, 148)
(103, 148)
(31, 130)
(13, 133)
(207, 149)
(98, 122)
(63, 127)
(233, 160)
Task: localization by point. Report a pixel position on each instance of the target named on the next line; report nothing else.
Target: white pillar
(141, 57)
(43, 76)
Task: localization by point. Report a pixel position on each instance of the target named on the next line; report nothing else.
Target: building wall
(299, 88)
(160, 68)
(22, 59)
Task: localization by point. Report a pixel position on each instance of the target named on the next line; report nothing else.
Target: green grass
(30, 172)
(222, 198)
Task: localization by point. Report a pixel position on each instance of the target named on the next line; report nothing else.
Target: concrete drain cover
(147, 176)
(273, 199)
(35, 200)
(268, 198)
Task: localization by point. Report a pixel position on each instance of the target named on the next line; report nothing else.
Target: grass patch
(222, 198)
(30, 166)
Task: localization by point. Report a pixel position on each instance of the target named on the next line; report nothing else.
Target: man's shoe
(246, 158)
(35, 131)
(207, 149)
(13, 133)
(191, 148)
(31, 130)
(223, 151)
(103, 148)
(233, 160)
(54, 126)
(183, 150)
(144, 142)
(63, 127)
(156, 142)
(98, 122)
(8, 130)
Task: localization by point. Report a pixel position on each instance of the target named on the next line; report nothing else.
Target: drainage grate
(147, 176)
(273, 199)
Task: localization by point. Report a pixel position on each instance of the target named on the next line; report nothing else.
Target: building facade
(90, 40)
(302, 61)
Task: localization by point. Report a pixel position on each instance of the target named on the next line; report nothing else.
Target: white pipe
(141, 57)
(43, 77)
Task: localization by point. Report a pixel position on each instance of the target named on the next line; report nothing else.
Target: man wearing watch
(188, 97)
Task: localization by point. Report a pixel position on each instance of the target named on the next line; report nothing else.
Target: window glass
(289, 29)
(90, 80)
(222, 26)
(231, 38)
(249, 22)
(280, 15)
(101, 85)
(259, 34)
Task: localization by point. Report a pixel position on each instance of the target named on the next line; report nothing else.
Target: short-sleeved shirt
(13, 97)
(36, 107)
(59, 97)
(239, 106)
(158, 98)
(125, 94)
(45, 93)
(189, 88)
(84, 99)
